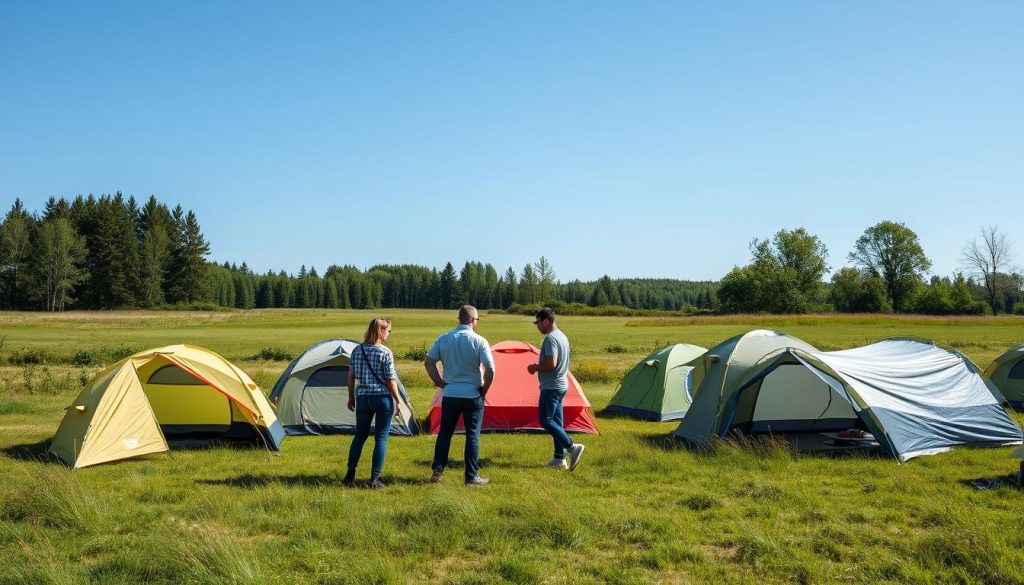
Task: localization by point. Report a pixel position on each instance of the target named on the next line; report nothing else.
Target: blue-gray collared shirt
(461, 352)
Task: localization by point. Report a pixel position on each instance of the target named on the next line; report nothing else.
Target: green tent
(1007, 373)
(657, 388)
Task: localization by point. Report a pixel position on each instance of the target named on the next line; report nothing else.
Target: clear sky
(623, 138)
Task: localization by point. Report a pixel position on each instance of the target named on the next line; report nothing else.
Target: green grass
(640, 509)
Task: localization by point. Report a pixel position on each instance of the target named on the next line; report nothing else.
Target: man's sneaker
(376, 484)
(437, 476)
(349, 477)
(575, 453)
(558, 463)
(478, 481)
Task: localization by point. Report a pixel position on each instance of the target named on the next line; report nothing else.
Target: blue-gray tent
(311, 396)
(913, 397)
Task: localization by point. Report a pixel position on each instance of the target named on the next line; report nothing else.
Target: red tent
(512, 399)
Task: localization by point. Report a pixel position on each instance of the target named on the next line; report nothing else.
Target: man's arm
(430, 365)
(488, 379)
(545, 366)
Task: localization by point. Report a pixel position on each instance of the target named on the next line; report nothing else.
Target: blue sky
(633, 139)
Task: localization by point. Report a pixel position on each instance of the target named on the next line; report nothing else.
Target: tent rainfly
(915, 398)
(511, 402)
(178, 392)
(658, 387)
(311, 396)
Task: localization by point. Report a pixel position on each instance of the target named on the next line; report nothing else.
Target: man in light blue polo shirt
(461, 352)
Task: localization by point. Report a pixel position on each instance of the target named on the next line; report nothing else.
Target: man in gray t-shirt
(552, 368)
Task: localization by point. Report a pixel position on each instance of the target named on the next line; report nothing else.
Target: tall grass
(641, 508)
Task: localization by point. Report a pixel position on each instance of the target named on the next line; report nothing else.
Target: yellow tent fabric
(114, 417)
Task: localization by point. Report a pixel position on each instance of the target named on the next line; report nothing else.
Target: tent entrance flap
(188, 409)
(792, 398)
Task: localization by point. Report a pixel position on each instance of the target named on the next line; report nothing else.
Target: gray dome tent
(914, 397)
(311, 396)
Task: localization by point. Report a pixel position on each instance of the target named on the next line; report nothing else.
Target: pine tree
(449, 287)
(545, 280)
(191, 271)
(528, 293)
(154, 251)
(510, 284)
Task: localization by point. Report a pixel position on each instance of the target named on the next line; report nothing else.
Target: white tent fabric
(927, 399)
(916, 398)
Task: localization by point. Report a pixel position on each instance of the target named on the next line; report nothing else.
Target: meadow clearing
(640, 509)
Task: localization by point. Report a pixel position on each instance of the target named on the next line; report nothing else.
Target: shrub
(28, 356)
(49, 384)
(102, 355)
(273, 354)
(616, 348)
(120, 352)
(84, 357)
(416, 353)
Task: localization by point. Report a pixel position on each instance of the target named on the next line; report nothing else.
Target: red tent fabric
(512, 400)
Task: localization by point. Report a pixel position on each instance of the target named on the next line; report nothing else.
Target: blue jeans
(550, 406)
(472, 412)
(367, 406)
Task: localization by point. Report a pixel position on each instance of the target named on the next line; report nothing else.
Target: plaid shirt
(368, 359)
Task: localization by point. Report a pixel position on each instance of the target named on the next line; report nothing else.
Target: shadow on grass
(667, 442)
(989, 483)
(31, 452)
(252, 481)
(796, 444)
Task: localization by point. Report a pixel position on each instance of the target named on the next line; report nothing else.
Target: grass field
(640, 508)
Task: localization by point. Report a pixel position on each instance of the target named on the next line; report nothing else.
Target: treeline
(888, 273)
(414, 286)
(108, 252)
(101, 253)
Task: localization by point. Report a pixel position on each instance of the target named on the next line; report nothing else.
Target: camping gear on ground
(913, 397)
(658, 387)
(178, 393)
(511, 402)
(1006, 373)
(311, 396)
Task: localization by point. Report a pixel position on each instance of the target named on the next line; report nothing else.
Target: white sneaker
(575, 454)
(557, 463)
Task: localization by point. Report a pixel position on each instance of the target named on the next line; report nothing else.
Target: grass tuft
(55, 499)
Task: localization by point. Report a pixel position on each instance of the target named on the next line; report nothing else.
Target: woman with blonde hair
(372, 393)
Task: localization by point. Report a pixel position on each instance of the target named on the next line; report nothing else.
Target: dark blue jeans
(472, 412)
(550, 406)
(381, 406)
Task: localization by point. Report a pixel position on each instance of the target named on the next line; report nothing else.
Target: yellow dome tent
(181, 392)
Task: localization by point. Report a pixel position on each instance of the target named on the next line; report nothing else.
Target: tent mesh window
(171, 375)
(1017, 372)
(329, 377)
